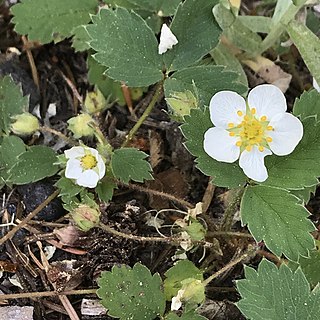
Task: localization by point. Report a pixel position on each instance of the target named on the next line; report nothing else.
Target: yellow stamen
(261, 148)
(88, 162)
(263, 118)
(232, 134)
(249, 148)
(253, 111)
(240, 113)
(269, 128)
(238, 143)
(246, 118)
(230, 125)
(269, 139)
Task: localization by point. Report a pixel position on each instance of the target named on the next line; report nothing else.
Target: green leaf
(300, 168)
(308, 45)
(130, 163)
(127, 46)
(310, 267)
(235, 31)
(163, 7)
(80, 39)
(12, 103)
(197, 33)
(223, 56)
(274, 294)
(131, 293)
(308, 105)
(11, 147)
(259, 24)
(191, 315)
(225, 174)
(278, 218)
(33, 165)
(67, 187)
(207, 79)
(106, 187)
(182, 270)
(47, 20)
(304, 194)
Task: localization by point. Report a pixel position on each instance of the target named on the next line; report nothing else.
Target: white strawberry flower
(85, 166)
(251, 130)
(167, 39)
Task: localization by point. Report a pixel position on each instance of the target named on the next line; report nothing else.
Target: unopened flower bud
(80, 127)
(85, 217)
(95, 102)
(25, 124)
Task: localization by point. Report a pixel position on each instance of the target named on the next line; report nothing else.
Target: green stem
(144, 115)
(231, 209)
(279, 27)
(248, 254)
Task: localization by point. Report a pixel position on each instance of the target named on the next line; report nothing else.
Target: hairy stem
(144, 115)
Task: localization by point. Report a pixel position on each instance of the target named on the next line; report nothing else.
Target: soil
(94, 251)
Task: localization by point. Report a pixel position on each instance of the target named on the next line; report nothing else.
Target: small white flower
(251, 130)
(85, 166)
(167, 39)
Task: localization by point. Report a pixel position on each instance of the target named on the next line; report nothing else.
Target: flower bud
(95, 102)
(25, 124)
(85, 217)
(80, 127)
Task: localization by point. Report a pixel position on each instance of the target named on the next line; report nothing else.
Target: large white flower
(167, 39)
(85, 166)
(251, 130)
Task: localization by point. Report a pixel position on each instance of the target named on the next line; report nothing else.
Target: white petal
(315, 84)
(224, 106)
(73, 169)
(88, 178)
(288, 132)
(101, 167)
(74, 152)
(252, 164)
(92, 151)
(167, 39)
(268, 100)
(220, 146)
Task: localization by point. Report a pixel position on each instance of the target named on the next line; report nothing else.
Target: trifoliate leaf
(33, 165)
(182, 270)
(308, 45)
(208, 80)
(12, 103)
(47, 20)
(224, 174)
(11, 147)
(310, 267)
(300, 168)
(274, 294)
(197, 33)
(279, 219)
(127, 46)
(131, 293)
(130, 163)
(308, 105)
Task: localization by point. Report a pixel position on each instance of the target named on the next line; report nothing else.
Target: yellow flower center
(251, 131)
(88, 162)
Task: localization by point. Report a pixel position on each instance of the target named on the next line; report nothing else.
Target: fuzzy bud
(85, 217)
(80, 127)
(25, 124)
